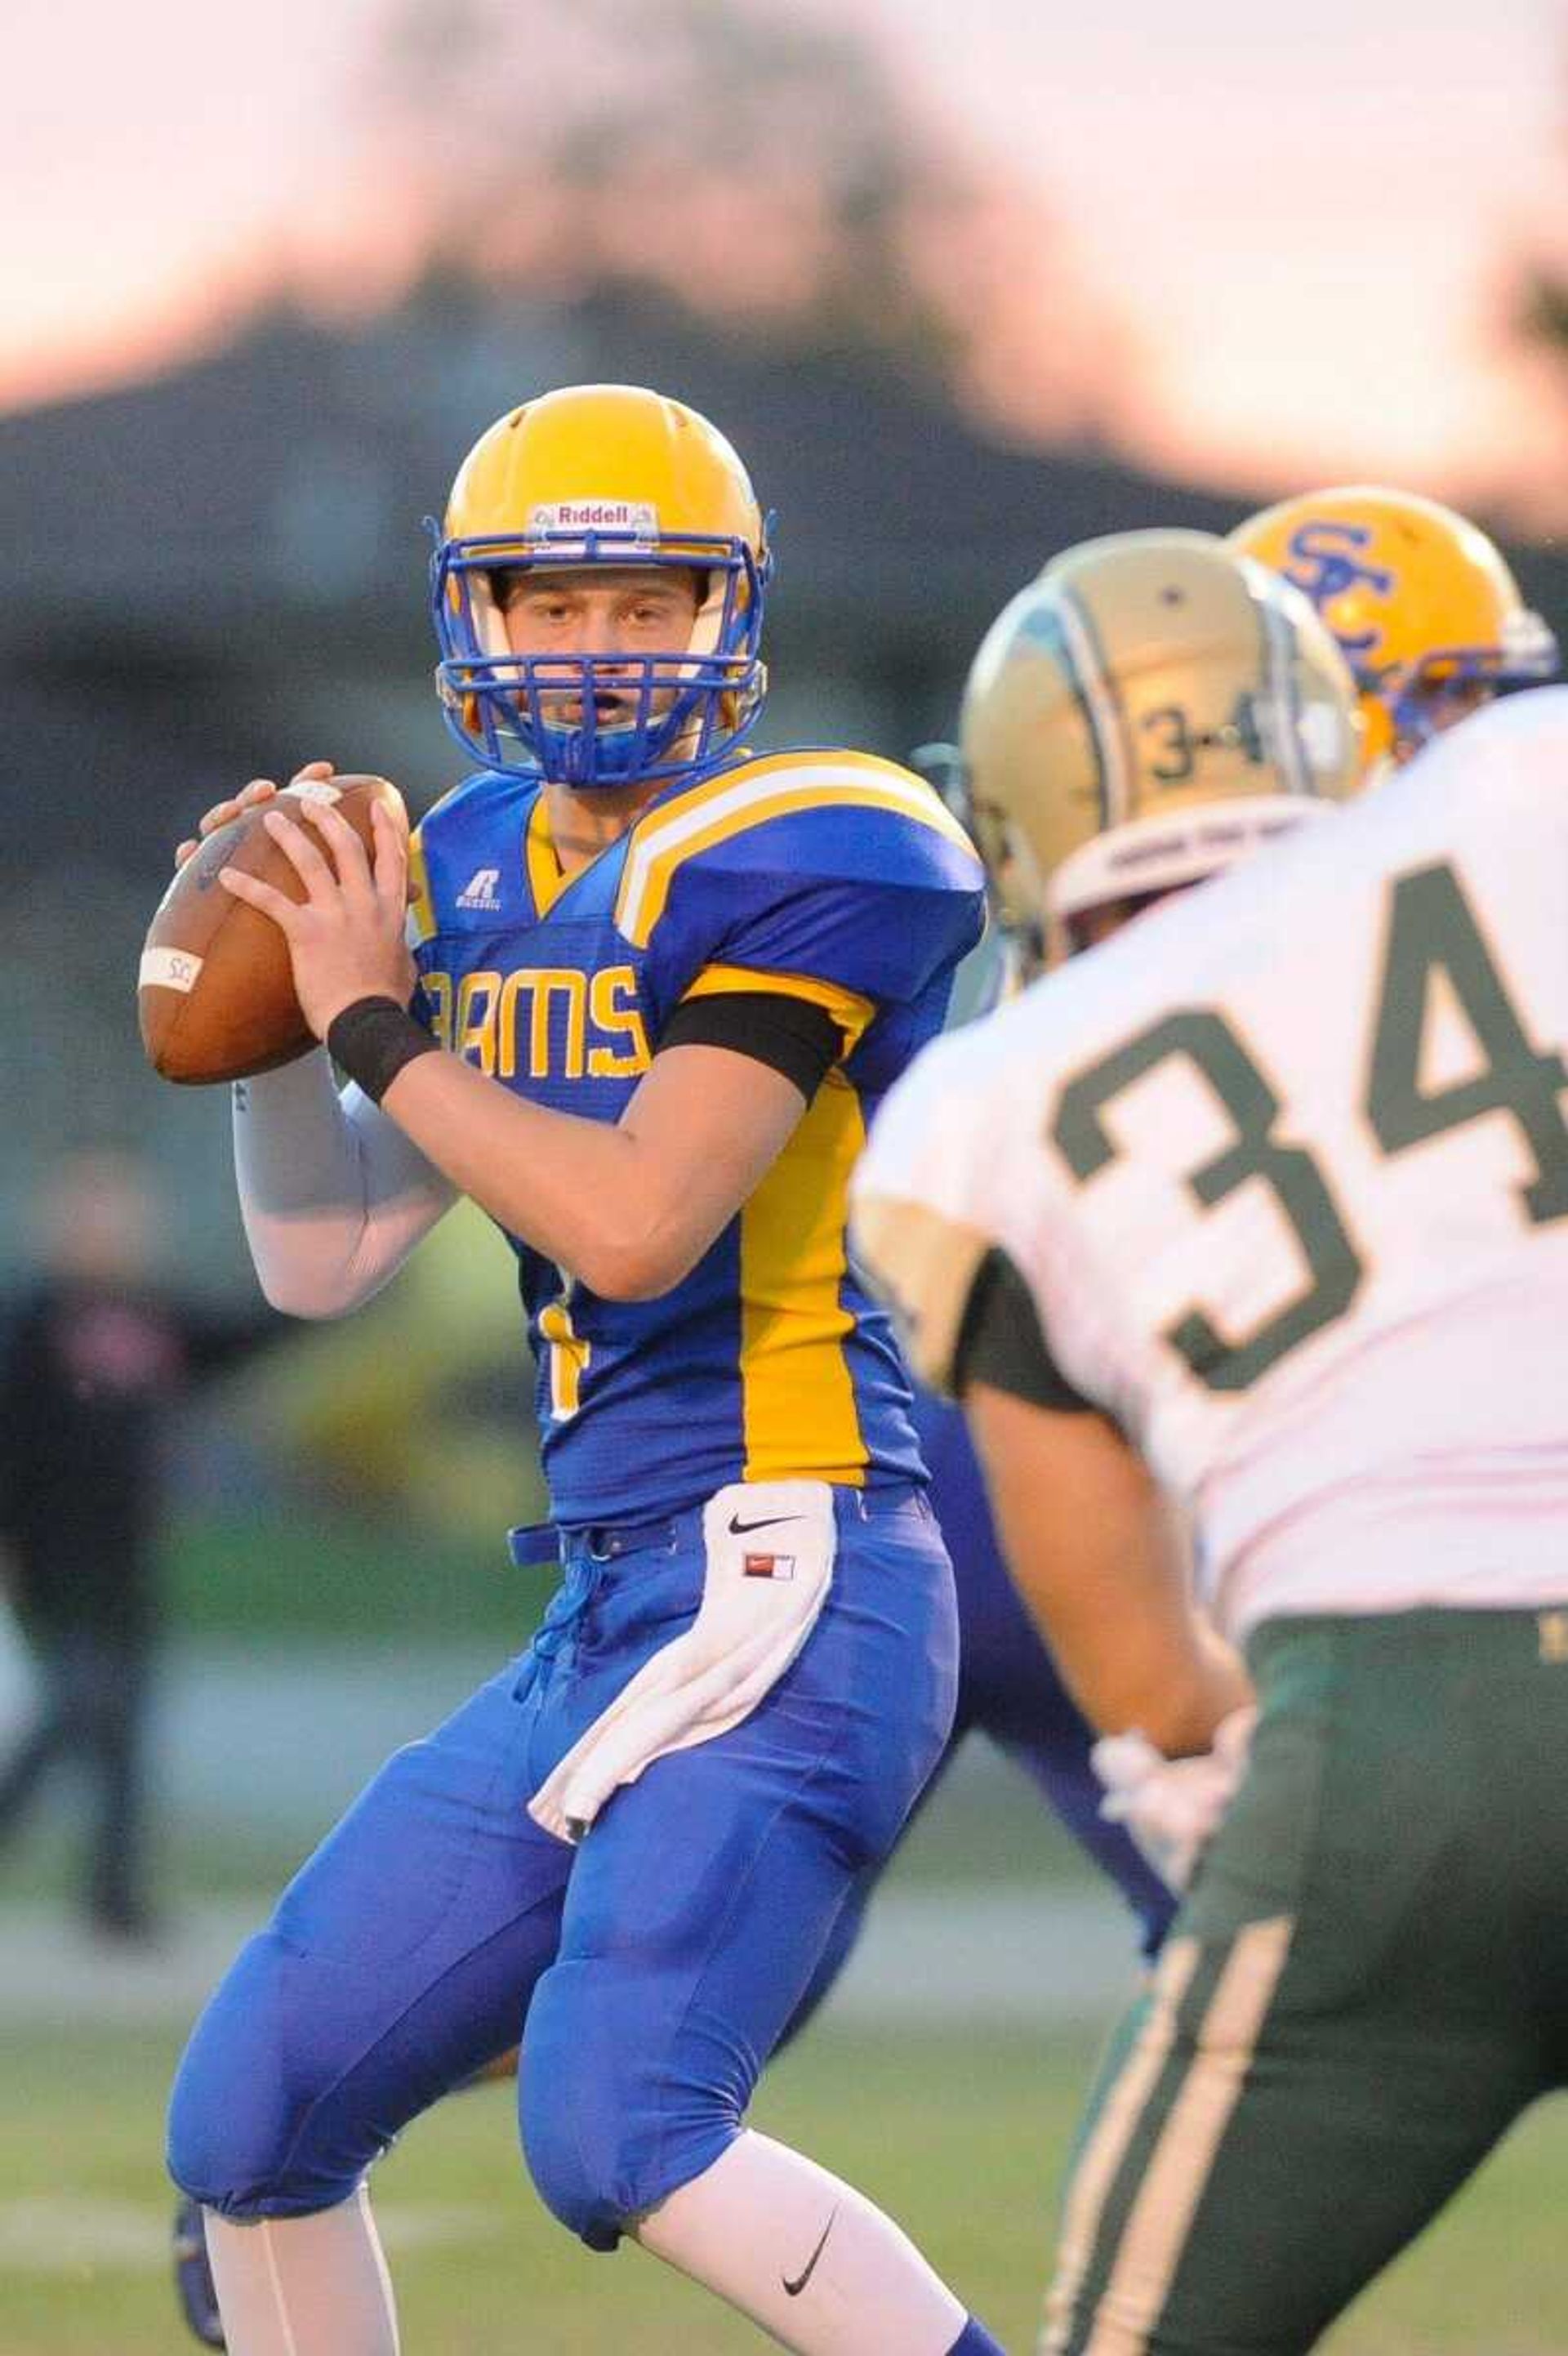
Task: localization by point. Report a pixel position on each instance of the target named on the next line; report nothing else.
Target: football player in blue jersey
(651, 988)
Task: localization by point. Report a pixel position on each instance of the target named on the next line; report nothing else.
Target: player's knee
(224, 2146)
(609, 2129)
(571, 2111)
(239, 2111)
(575, 2181)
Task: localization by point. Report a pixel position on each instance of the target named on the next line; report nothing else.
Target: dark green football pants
(1368, 1983)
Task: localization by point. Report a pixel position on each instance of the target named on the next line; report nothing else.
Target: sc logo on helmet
(1324, 564)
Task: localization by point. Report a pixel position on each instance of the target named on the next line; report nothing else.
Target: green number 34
(1432, 931)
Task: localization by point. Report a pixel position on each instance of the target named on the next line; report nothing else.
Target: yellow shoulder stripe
(728, 805)
(848, 1010)
(420, 924)
(546, 877)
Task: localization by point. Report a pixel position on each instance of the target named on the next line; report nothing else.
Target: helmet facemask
(1425, 696)
(660, 716)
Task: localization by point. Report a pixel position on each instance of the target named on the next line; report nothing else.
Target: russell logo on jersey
(480, 891)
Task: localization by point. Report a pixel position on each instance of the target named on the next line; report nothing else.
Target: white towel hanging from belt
(769, 1548)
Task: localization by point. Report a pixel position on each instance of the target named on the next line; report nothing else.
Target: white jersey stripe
(1103, 713)
(1107, 2147)
(1179, 2167)
(809, 788)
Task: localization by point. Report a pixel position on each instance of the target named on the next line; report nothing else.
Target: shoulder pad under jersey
(832, 863)
(473, 829)
(919, 1220)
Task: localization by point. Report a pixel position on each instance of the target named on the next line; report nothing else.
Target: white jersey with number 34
(1286, 1168)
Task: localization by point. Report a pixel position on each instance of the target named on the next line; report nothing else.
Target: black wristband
(373, 1039)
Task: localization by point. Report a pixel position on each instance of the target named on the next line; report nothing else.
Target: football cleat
(602, 476)
(193, 2276)
(1154, 706)
(1422, 603)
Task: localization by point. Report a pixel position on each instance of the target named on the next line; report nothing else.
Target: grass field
(960, 2131)
(960, 2136)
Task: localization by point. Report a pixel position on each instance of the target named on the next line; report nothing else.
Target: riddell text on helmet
(595, 515)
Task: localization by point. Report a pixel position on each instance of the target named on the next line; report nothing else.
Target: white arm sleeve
(334, 1197)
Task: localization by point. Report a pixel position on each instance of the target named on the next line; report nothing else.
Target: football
(215, 992)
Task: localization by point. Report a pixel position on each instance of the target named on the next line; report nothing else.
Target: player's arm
(333, 1197)
(629, 1208)
(1094, 1550)
(335, 1194)
(1088, 1536)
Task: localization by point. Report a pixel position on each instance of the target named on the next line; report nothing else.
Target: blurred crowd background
(963, 287)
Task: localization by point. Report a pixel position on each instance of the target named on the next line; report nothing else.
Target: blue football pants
(650, 1971)
(1008, 1688)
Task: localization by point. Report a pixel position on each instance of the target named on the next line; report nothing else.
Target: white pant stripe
(1179, 2167)
(1107, 2147)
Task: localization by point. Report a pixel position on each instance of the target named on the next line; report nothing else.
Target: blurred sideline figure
(93, 1358)
(1258, 1209)
(659, 983)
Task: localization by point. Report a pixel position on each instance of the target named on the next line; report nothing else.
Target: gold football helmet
(601, 475)
(1425, 608)
(1150, 709)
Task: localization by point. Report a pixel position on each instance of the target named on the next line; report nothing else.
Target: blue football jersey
(828, 877)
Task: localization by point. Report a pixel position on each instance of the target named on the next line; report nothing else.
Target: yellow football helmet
(611, 476)
(1424, 606)
(1150, 709)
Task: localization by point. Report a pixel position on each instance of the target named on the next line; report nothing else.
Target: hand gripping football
(215, 991)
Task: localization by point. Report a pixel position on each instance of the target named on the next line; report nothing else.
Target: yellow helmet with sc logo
(1423, 605)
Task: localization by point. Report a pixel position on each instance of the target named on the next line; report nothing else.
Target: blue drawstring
(560, 1629)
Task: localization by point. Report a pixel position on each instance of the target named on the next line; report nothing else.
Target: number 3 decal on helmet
(1150, 709)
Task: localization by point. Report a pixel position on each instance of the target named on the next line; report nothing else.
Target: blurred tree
(1531, 313)
(1542, 312)
(756, 167)
(1537, 285)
